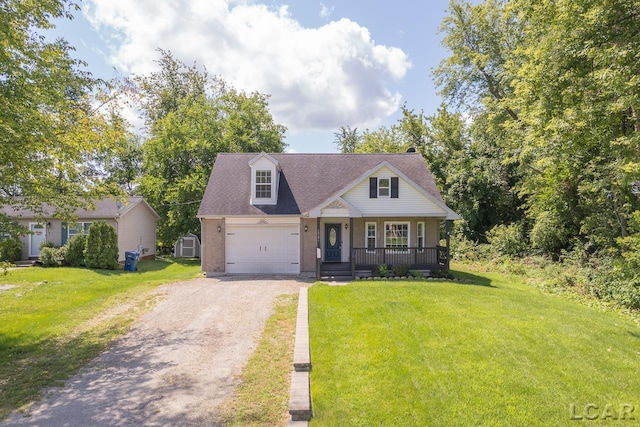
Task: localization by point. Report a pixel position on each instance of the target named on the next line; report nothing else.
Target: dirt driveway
(175, 366)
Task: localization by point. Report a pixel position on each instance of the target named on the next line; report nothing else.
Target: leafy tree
(191, 118)
(556, 85)
(51, 135)
(347, 139)
(101, 250)
(123, 165)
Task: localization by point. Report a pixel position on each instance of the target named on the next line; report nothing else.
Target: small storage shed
(187, 246)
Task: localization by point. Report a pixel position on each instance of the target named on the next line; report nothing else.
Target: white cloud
(318, 78)
(325, 11)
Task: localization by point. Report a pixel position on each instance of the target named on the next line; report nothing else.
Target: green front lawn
(495, 352)
(53, 320)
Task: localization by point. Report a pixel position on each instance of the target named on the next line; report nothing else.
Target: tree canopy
(191, 117)
(55, 124)
(556, 86)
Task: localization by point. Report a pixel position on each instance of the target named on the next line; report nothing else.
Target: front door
(36, 238)
(332, 243)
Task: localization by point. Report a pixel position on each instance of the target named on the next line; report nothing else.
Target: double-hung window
(420, 236)
(263, 184)
(396, 235)
(384, 187)
(371, 236)
(78, 228)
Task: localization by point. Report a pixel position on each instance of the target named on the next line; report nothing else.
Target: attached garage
(262, 248)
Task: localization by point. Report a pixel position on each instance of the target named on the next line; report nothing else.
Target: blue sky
(325, 64)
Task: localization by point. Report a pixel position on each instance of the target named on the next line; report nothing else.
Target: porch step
(335, 274)
(335, 270)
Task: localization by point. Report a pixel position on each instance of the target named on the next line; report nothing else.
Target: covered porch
(361, 260)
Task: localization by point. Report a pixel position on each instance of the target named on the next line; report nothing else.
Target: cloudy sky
(325, 64)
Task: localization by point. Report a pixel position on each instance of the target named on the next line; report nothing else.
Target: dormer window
(263, 184)
(265, 177)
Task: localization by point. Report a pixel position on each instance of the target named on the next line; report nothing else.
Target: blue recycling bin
(131, 260)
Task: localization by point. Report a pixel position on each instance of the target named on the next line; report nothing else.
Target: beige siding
(410, 201)
(137, 228)
(432, 230)
(212, 249)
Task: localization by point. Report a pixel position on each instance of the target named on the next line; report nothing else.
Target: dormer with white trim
(265, 179)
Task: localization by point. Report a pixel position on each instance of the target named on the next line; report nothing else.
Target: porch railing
(434, 258)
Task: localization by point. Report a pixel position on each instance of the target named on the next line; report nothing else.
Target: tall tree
(51, 135)
(191, 117)
(347, 140)
(558, 86)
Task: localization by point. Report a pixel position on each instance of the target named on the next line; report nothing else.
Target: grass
(54, 320)
(262, 398)
(492, 352)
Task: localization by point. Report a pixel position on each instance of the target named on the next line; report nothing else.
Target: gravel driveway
(175, 366)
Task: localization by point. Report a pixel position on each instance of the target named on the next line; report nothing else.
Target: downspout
(201, 244)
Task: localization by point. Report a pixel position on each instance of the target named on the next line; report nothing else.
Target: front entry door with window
(332, 243)
(36, 238)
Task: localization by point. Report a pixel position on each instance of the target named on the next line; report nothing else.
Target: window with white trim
(420, 236)
(371, 236)
(384, 187)
(396, 234)
(263, 184)
(78, 228)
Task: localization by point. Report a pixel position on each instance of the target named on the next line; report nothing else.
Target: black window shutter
(63, 238)
(373, 187)
(394, 187)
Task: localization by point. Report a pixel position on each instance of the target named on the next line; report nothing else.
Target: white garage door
(272, 248)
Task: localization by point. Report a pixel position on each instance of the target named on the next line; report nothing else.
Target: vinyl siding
(410, 202)
(136, 227)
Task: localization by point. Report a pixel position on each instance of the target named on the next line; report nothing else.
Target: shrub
(49, 257)
(507, 240)
(47, 244)
(381, 271)
(549, 234)
(75, 250)
(11, 250)
(60, 255)
(417, 274)
(101, 249)
(401, 270)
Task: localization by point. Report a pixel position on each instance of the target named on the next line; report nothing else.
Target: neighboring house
(134, 222)
(187, 246)
(312, 214)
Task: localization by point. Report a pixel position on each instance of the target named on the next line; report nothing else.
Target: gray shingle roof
(105, 208)
(306, 180)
